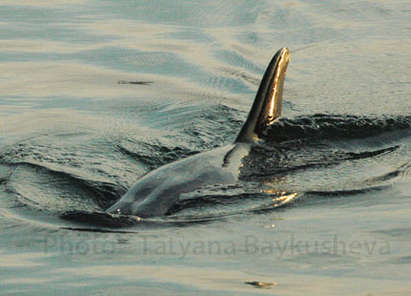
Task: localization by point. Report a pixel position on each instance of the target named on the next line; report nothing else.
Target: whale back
(268, 101)
(157, 192)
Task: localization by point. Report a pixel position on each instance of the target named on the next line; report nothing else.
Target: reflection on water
(74, 136)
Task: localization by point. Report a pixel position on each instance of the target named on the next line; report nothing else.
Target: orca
(158, 191)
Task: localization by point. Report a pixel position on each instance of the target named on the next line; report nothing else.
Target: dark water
(94, 94)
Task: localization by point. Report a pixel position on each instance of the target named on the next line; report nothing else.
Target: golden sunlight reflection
(277, 85)
(78, 80)
(205, 277)
(281, 197)
(49, 46)
(20, 260)
(284, 199)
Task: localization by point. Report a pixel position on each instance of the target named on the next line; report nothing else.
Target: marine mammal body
(156, 192)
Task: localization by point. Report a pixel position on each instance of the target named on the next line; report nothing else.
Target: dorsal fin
(268, 101)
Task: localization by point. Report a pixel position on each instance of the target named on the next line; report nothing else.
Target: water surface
(94, 94)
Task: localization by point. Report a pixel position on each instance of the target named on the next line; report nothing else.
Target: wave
(334, 127)
(41, 178)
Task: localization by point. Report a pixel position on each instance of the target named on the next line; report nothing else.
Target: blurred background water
(93, 94)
